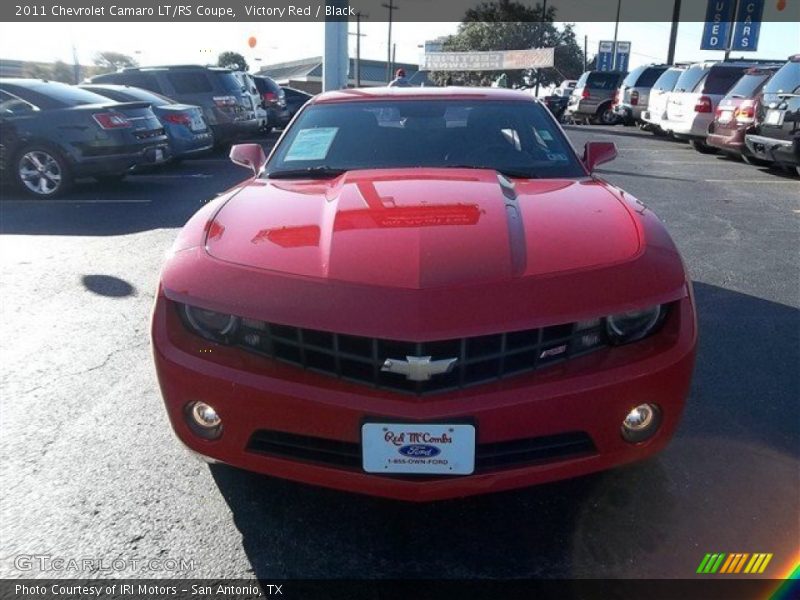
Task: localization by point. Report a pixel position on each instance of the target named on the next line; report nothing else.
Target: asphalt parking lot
(90, 467)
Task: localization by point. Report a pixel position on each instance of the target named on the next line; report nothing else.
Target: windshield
(132, 94)
(748, 85)
(690, 78)
(785, 81)
(60, 95)
(666, 83)
(517, 138)
(632, 77)
(721, 79)
(603, 81)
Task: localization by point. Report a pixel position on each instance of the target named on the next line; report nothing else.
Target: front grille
(481, 359)
(488, 457)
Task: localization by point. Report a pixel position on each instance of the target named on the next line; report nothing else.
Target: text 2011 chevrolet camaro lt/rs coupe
(424, 293)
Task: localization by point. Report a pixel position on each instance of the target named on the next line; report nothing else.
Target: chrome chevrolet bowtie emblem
(418, 368)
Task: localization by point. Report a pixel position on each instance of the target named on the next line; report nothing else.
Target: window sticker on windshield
(557, 156)
(311, 144)
(545, 135)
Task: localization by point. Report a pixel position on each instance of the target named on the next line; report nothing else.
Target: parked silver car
(592, 97)
(633, 94)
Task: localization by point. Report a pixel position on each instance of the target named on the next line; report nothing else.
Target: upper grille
(481, 359)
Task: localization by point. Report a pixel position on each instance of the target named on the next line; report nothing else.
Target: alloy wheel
(40, 172)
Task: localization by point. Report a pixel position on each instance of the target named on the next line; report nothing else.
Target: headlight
(633, 325)
(212, 325)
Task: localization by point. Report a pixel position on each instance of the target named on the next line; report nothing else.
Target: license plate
(725, 116)
(424, 449)
(774, 117)
(197, 124)
(158, 155)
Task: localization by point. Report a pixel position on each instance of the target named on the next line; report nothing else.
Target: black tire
(114, 178)
(606, 116)
(51, 181)
(702, 147)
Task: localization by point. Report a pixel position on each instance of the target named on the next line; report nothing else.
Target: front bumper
(779, 151)
(590, 394)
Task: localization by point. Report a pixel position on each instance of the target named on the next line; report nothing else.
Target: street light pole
(358, 35)
(391, 7)
(673, 34)
(538, 72)
(616, 30)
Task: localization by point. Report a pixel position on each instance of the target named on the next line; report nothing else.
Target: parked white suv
(656, 110)
(691, 105)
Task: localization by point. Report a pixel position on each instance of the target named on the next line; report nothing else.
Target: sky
(171, 43)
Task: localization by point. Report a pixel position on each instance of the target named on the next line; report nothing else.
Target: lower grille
(488, 457)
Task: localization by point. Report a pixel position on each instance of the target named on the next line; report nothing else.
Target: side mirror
(250, 156)
(597, 153)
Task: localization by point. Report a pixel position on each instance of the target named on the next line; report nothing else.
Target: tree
(62, 72)
(38, 71)
(509, 25)
(233, 60)
(108, 62)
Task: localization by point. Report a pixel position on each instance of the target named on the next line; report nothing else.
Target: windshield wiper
(319, 172)
(517, 174)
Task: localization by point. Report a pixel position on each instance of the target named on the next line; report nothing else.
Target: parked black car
(776, 135)
(227, 105)
(187, 130)
(274, 101)
(295, 99)
(52, 133)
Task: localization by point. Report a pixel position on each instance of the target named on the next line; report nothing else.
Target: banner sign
(501, 60)
(622, 56)
(605, 56)
(748, 25)
(719, 14)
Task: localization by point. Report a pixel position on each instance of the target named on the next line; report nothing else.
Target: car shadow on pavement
(738, 440)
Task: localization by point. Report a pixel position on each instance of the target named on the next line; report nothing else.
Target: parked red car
(736, 112)
(424, 294)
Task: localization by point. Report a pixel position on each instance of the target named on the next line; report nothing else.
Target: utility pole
(76, 66)
(394, 58)
(358, 35)
(586, 50)
(392, 7)
(538, 71)
(673, 33)
(616, 30)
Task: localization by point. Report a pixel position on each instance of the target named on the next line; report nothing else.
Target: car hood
(424, 228)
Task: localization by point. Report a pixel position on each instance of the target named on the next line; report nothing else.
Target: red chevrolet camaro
(422, 294)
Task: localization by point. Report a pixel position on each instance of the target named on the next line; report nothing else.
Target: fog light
(641, 423)
(204, 420)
